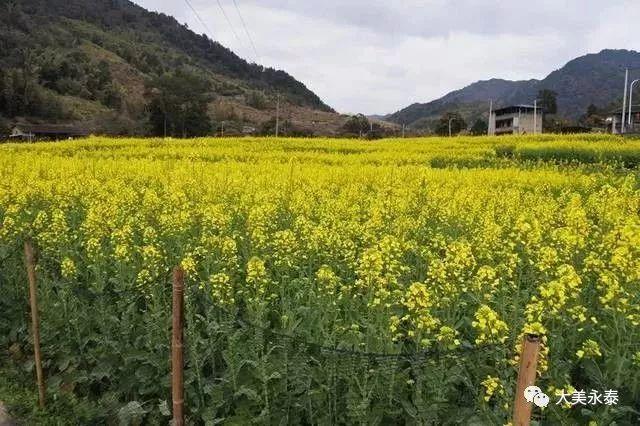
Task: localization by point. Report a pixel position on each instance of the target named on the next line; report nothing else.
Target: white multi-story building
(516, 120)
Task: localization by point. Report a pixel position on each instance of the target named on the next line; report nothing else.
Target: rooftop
(51, 129)
(515, 108)
(634, 110)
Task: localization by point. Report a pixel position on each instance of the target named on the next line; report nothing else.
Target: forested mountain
(103, 63)
(595, 79)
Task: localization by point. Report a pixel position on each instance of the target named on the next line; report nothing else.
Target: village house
(516, 120)
(32, 132)
(614, 121)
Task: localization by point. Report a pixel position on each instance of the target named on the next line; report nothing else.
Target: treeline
(55, 53)
(28, 90)
(145, 31)
(22, 95)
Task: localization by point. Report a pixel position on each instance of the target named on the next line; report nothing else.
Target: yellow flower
(447, 336)
(221, 289)
(492, 386)
(327, 280)
(68, 268)
(589, 349)
(188, 265)
(490, 328)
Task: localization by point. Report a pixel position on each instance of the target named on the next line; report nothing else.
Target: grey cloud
(376, 56)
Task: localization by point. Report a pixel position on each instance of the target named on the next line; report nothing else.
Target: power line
(226, 17)
(244, 25)
(202, 22)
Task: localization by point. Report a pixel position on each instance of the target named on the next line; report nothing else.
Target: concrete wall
(522, 123)
(527, 123)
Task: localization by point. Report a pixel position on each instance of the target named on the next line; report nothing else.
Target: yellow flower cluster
(328, 281)
(221, 289)
(422, 243)
(418, 301)
(589, 349)
(68, 268)
(492, 386)
(489, 327)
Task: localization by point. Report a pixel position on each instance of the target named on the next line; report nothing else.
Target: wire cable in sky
(202, 22)
(228, 21)
(246, 30)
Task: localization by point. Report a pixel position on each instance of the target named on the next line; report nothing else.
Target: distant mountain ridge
(591, 79)
(91, 62)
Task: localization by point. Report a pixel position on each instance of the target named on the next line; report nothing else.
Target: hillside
(592, 79)
(95, 63)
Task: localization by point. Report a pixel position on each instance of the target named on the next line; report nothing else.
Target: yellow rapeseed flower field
(452, 249)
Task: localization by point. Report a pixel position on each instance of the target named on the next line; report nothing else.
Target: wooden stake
(526, 378)
(177, 356)
(35, 321)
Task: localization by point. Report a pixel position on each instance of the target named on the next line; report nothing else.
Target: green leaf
(164, 408)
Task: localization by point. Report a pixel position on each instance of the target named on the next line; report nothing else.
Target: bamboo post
(35, 321)
(177, 356)
(526, 377)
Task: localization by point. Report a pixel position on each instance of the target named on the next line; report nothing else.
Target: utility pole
(222, 132)
(633, 83)
(519, 120)
(403, 130)
(278, 116)
(624, 102)
(450, 121)
(535, 117)
(490, 117)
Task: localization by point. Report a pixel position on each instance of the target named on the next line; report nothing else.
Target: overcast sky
(375, 56)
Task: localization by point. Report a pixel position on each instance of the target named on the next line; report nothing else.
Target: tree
(548, 101)
(357, 125)
(4, 128)
(21, 95)
(286, 128)
(457, 124)
(376, 131)
(179, 105)
(593, 117)
(256, 100)
(479, 128)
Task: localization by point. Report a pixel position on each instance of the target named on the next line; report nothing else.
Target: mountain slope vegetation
(594, 79)
(95, 63)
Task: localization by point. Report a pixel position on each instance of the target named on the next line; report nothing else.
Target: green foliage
(17, 394)
(357, 125)
(71, 48)
(5, 128)
(548, 101)
(257, 100)
(289, 246)
(451, 121)
(286, 128)
(479, 128)
(20, 95)
(593, 78)
(594, 117)
(598, 151)
(179, 105)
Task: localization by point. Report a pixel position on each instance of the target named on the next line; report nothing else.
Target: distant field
(330, 281)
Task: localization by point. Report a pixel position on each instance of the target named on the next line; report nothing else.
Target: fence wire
(113, 343)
